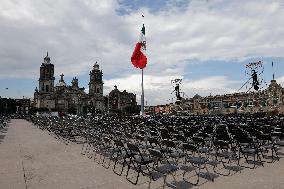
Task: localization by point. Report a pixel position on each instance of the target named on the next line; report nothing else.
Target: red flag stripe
(138, 59)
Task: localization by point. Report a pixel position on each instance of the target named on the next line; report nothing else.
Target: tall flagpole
(142, 95)
(142, 87)
(139, 60)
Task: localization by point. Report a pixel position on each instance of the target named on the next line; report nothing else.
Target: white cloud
(280, 81)
(159, 90)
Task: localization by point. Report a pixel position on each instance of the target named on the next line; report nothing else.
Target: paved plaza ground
(31, 158)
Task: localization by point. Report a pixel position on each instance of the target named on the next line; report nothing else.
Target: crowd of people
(193, 149)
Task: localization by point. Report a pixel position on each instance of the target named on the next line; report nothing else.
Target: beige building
(268, 100)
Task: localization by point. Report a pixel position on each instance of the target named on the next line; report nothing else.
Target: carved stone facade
(119, 100)
(62, 97)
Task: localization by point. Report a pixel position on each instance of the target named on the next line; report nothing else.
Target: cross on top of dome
(61, 82)
(61, 77)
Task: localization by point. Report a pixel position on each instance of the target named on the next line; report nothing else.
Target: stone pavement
(31, 158)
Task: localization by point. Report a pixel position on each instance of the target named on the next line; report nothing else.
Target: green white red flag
(139, 58)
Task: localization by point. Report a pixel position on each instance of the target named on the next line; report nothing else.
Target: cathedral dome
(197, 96)
(61, 82)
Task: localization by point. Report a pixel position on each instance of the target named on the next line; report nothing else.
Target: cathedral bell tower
(46, 79)
(96, 98)
(96, 81)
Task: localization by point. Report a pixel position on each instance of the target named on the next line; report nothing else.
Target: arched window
(46, 88)
(98, 90)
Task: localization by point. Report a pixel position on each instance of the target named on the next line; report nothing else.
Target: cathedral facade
(68, 98)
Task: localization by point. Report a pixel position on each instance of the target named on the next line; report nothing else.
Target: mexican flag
(138, 58)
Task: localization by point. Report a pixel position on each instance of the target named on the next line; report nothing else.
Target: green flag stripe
(143, 29)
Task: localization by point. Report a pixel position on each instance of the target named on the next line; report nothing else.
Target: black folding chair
(137, 162)
(266, 144)
(172, 151)
(121, 154)
(247, 147)
(225, 155)
(197, 161)
(162, 167)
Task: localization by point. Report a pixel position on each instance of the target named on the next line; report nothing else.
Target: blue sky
(128, 6)
(206, 43)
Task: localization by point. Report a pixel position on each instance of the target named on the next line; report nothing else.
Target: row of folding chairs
(162, 146)
(133, 154)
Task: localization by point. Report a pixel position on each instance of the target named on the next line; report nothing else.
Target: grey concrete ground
(31, 158)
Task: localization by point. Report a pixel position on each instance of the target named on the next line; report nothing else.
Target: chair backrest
(153, 140)
(139, 137)
(264, 137)
(180, 138)
(280, 135)
(198, 140)
(107, 140)
(119, 143)
(169, 143)
(133, 147)
(245, 140)
(189, 147)
(156, 154)
(221, 144)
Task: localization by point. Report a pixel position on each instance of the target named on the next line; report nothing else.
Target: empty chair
(225, 154)
(121, 154)
(137, 161)
(162, 167)
(247, 148)
(198, 163)
(267, 145)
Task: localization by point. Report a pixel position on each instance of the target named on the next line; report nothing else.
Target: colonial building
(19, 106)
(118, 100)
(159, 109)
(68, 98)
(268, 100)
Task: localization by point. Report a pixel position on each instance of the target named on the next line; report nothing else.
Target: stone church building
(68, 98)
(119, 100)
